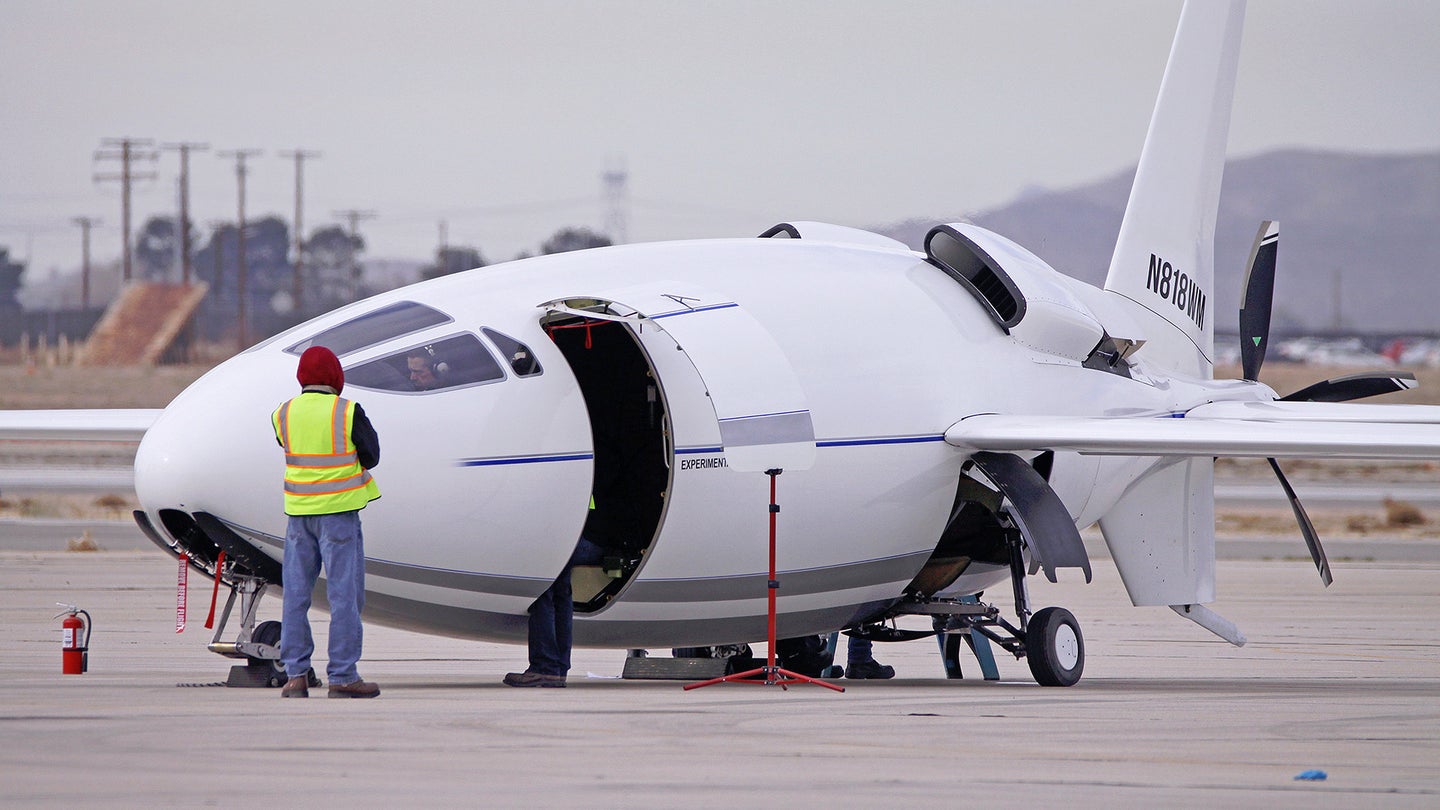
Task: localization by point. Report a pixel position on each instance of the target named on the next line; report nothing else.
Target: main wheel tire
(1054, 647)
(268, 632)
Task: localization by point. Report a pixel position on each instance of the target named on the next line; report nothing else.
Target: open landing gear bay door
(763, 415)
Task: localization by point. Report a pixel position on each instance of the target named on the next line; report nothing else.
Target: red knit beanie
(320, 366)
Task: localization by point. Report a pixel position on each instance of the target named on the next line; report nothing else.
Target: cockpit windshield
(374, 327)
(451, 362)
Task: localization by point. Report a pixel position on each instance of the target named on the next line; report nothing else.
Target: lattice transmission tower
(612, 184)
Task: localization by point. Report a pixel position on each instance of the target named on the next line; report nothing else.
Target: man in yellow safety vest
(330, 447)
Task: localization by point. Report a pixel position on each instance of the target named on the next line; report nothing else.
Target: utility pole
(184, 149)
(299, 155)
(130, 149)
(240, 155)
(354, 217)
(85, 223)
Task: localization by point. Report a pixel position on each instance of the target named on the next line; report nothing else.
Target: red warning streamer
(215, 593)
(181, 591)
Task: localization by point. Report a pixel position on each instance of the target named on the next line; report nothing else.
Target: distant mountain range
(1359, 237)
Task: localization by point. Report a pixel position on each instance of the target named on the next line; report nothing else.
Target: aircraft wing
(1274, 430)
(79, 424)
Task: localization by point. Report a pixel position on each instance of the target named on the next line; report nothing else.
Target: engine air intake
(965, 262)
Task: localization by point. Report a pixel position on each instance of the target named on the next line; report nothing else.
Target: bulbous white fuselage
(486, 487)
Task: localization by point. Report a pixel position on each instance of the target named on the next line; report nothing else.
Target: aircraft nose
(213, 449)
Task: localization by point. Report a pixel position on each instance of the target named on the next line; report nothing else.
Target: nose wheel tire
(269, 633)
(1054, 647)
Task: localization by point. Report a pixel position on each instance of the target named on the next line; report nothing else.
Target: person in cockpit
(425, 369)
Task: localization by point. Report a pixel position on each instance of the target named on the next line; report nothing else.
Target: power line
(130, 149)
(509, 209)
(705, 209)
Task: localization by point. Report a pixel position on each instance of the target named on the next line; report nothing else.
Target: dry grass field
(39, 387)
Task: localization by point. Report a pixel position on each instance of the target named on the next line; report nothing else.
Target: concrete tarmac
(1345, 680)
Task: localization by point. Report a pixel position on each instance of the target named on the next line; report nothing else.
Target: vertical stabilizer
(1165, 257)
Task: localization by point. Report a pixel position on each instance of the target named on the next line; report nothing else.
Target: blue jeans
(336, 541)
(859, 650)
(553, 615)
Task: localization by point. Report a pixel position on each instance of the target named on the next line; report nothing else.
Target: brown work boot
(358, 689)
(528, 678)
(296, 687)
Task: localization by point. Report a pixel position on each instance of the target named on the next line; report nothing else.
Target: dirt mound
(146, 324)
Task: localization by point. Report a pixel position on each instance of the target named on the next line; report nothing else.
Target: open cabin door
(761, 411)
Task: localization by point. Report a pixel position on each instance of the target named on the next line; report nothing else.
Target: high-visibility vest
(322, 472)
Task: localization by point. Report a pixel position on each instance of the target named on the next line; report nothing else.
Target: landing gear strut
(259, 644)
(1049, 640)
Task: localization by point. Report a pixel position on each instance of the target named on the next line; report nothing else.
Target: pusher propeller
(1255, 307)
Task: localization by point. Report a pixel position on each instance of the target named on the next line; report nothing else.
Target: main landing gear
(1049, 639)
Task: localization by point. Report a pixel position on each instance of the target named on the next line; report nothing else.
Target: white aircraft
(945, 421)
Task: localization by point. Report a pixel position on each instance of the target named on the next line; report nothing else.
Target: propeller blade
(1259, 292)
(1312, 540)
(1354, 386)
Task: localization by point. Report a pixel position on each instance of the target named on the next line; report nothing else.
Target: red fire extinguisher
(74, 651)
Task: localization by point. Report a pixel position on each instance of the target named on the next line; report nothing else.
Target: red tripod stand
(773, 675)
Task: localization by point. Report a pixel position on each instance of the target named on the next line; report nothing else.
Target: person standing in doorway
(330, 447)
(860, 663)
(551, 625)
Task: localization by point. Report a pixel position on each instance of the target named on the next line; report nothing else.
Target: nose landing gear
(258, 645)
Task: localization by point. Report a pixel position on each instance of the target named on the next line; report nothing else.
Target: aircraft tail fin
(1164, 260)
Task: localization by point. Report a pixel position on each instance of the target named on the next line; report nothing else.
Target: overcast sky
(499, 117)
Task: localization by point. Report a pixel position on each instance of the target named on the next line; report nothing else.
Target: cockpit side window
(522, 361)
(374, 327)
(451, 362)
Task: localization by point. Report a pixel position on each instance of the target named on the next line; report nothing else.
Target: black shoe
(871, 670)
(528, 678)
